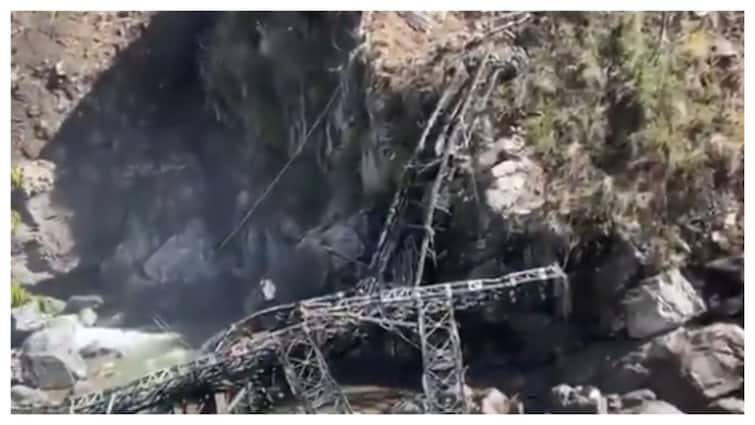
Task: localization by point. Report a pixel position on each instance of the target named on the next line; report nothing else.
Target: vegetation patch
(637, 118)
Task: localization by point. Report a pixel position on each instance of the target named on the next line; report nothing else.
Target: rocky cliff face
(195, 167)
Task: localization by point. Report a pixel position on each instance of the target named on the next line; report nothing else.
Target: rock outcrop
(661, 303)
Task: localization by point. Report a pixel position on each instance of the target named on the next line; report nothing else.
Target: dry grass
(650, 108)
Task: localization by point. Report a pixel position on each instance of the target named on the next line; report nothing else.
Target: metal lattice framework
(443, 374)
(242, 359)
(299, 337)
(307, 372)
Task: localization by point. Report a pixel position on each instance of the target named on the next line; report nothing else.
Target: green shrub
(18, 295)
(15, 178)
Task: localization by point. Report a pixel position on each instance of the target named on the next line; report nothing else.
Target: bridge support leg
(308, 375)
(443, 373)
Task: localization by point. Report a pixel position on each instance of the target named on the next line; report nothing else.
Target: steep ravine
(144, 141)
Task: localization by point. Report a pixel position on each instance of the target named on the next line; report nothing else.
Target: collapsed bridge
(300, 345)
(301, 338)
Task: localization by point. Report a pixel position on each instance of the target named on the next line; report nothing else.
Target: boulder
(76, 303)
(344, 245)
(579, 399)
(661, 303)
(185, 257)
(59, 333)
(87, 317)
(51, 306)
(21, 394)
(652, 407)
(49, 357)
(25, 320)
(694, 367)
(689, 367)
(55, 369)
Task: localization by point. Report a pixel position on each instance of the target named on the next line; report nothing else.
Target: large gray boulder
(55, 369)
(87, 317)
(694, 367)
(76, 303)
(25, 320)
(661, 303)
(689, 367)
(49, 356)
(184, 257)
(59, 333)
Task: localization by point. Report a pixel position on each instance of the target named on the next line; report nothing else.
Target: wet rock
(185, 257)
(661, 303)
(58, 334)
(87, 317)
(25, 395)
(50, 305)
(727, 405)
(653, 407)
(49, 357)
(25, 320)
(77, 303)
(54, 370)
(579, 399)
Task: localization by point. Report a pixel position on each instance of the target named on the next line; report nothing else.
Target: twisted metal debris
(250, 358)
(299, 338)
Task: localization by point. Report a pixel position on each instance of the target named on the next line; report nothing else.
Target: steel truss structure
(297, 338)
(307, 372)
(443, 373)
